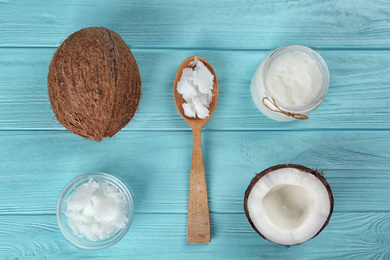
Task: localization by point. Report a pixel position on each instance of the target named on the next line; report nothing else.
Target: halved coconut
(288, 204)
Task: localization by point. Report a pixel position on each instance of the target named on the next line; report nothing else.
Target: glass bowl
(79, 239)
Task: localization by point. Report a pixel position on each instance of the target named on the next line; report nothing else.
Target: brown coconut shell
(302, 168)
(94, 83)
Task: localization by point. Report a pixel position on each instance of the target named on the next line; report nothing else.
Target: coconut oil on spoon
(200, 104)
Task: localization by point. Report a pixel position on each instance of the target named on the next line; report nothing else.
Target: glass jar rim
(323, 67)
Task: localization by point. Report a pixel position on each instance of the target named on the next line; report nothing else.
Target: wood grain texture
(212, 24)
(36, 165)
(358, 97)
(163, 236)
(198, 220)
(347, 137)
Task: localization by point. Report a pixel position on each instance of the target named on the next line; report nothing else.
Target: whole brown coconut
(94, 83)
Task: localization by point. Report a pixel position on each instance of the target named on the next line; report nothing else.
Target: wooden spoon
(198, 219)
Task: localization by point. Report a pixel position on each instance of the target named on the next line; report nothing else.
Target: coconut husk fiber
(94, 83)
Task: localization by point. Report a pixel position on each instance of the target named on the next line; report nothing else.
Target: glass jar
(297, 64)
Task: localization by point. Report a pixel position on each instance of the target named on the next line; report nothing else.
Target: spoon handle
(198, 219)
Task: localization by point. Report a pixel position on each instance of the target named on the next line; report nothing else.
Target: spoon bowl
(198, 219)
(179, 100)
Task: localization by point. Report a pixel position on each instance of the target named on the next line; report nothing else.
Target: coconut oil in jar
(290, 83)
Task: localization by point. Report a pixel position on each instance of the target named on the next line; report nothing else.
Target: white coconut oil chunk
(96, 210)
(289, 207)
(196, 84)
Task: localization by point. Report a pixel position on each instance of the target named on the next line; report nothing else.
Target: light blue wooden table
(347, 137)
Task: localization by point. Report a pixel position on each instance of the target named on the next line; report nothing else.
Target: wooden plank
(347, 137)
(211, 24)
(163, 236)
(36, 165)
(358, 97)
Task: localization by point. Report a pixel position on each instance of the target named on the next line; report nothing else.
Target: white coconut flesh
(288, 206)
